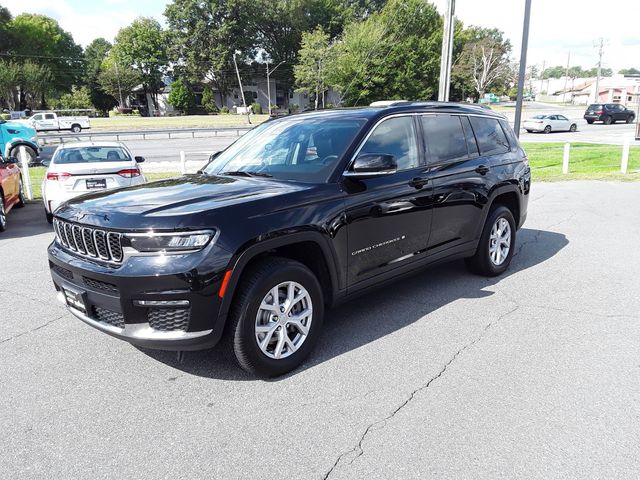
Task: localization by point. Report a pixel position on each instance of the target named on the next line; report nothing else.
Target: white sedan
(82, 167)
(549, 123)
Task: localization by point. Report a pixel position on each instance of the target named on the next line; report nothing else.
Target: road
(532, 375)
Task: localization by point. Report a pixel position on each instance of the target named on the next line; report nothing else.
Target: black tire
(547, 129)
(3, 213)
(75, 128)
(21, 199)
(254, 285)
(481, 263)
(33, 156)
(529, 131)
(573, 127)
(607, 120)
(631, 118)
(590, 122)
(49, 217)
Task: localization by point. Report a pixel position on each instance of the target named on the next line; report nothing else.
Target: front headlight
(162, 242)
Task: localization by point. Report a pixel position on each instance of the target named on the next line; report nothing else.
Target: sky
(558, 27)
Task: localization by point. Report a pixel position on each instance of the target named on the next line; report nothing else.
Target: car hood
(173, 203)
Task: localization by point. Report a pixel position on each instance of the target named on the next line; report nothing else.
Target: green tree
(311, 72)
(78, 98)
(6, 37)
(43, 41)
(118, 80)
(94, 56)
(36, 81)
(142, 46)
(181, 96)
(394, 53)
(629, 71)
(206, 34)
(208, 100)
(10, 74)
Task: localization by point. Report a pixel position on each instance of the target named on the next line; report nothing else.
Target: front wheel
(3, 213)
(495, 249)
(21, 199)
(573, 127)
(276, 317)
(630, 118)
(31, 153)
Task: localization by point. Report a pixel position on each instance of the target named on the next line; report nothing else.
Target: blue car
(16, 134)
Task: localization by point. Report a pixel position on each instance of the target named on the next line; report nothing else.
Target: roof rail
(388, 103)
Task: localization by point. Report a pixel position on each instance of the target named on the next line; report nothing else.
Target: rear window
(91, 155)
(491, 139)
(595, 106)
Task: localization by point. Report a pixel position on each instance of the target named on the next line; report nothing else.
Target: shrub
(5, 116)
(181, 96)
(293, 108)
(224, 109)
(256, 108)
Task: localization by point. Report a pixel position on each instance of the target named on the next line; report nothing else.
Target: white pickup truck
(47, 121)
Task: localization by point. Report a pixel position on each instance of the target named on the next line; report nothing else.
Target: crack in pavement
(358, 450)
(31, 330)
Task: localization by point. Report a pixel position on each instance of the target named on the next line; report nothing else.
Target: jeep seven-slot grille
(89, 242)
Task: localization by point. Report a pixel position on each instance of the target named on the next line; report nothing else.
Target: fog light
(161, 303)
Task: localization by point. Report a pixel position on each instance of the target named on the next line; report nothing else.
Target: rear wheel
(3, 213)
(547, 129)
(607, 120)
(75, 128)
(573, 127)
(276, 317)
(590, 122)
(495, 249)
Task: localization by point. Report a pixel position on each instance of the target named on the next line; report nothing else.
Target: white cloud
(560, 27)
(87, 20)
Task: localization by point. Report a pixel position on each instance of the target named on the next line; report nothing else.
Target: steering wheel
(328, 159)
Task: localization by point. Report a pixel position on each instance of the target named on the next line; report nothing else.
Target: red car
(11, 191)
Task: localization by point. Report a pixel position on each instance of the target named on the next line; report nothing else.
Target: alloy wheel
(283, 320)
(3, 215)
(500, 241)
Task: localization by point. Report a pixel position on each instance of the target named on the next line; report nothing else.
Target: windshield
(304, 149)
(91, 155)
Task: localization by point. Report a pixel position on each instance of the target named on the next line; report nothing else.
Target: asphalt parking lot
(535, 374)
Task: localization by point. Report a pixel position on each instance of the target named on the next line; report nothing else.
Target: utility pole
(523, 65)
(244, 103)
(447, 52)
(269, 72)
(566, 78)
(600, 46)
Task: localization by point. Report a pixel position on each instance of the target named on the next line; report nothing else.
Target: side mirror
(139, 159)
(370, 165)
(214, 155)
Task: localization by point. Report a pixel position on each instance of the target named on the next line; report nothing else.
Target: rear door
(461, 179)
(388, 218)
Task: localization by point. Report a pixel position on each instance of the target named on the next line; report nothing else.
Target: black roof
(375, 112)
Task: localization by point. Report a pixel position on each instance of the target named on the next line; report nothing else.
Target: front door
(388, 217)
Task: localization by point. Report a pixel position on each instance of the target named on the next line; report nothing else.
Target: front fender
(16, 142)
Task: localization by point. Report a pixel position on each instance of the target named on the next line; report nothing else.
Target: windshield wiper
(242, 173)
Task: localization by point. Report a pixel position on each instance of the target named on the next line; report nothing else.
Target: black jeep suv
(298, 215)
(608, 113)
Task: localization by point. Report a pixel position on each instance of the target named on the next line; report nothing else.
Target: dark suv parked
(608, 113)
(301, 213)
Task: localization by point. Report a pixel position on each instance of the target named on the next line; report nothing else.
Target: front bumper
(115, 300)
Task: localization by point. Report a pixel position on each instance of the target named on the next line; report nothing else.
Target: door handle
(482, 169)
(418, 182)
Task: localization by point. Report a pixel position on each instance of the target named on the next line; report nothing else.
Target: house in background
(624, 89)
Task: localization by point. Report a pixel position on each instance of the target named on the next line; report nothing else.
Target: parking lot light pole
(523, 66)
(447, 51)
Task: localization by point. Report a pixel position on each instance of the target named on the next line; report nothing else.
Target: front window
(91, 155)
(397, 137)
(296, 148)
